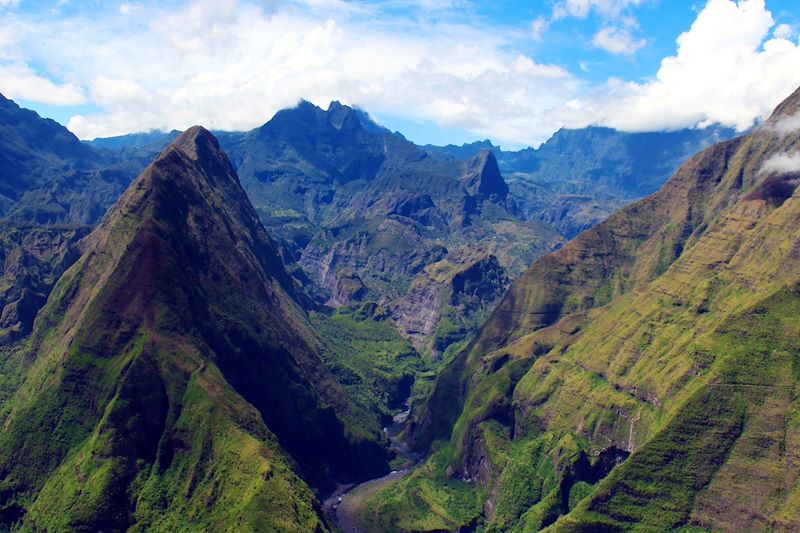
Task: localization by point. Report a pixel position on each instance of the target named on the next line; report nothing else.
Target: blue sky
(439, 71)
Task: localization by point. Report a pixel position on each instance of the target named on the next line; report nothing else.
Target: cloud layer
(231, 65)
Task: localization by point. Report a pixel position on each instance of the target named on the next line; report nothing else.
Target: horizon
(438, 71)
(492, 142)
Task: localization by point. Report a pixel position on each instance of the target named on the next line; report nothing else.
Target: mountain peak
(343, 117)
(196, 142)
(482, 176)
(202, 149)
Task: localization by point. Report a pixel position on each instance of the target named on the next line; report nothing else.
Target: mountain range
(641, 378)
(368, 216)
(208, 331)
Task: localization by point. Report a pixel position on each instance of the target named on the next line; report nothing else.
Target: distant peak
(482, 176)
(203, 150)
(486, 157)
(8, 103)
(342, 116)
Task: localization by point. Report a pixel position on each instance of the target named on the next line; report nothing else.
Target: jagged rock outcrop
(449, 299)
(482, 177)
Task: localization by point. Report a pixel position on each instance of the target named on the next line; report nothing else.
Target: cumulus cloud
(615, 37)
(783, 31)
(780, 164)
(617, 41)
(232, 65)
(20, 82)
(726, 70)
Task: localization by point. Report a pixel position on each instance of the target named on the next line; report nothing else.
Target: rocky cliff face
(482, 177)
(33, 259)
(631, 378)
(448, 300)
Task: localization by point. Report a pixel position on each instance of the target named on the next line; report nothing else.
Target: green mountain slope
(641, 378)
(172, 379)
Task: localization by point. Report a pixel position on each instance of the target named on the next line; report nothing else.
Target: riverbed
(343, 505)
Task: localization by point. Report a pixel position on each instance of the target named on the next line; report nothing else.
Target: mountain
(47, 176)
(33, 258)
(173, 378)
(32, 151)
(642, 377)
(360, 212)
(581, 176)
(364, 212)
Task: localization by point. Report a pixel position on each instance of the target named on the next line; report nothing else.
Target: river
(342, 506)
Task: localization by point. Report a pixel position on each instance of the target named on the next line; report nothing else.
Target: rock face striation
(172, 374)
(637, 377)
(449, 299)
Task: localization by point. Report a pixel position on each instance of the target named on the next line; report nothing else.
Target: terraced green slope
(642, 378)
(172, 380)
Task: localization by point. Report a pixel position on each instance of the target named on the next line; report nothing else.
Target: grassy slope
(375, 366)
(690, 368)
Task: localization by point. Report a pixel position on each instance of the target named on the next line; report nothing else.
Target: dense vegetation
(641, 378)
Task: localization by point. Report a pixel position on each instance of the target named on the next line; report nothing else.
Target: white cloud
(617, 41)
(783, 31)
(784, 126)
(782, 164)
(528, 67)
(126, 8)
(538, 27)
(726, 70)
(20, 82)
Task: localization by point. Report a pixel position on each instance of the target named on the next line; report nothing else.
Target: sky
(438, 71)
